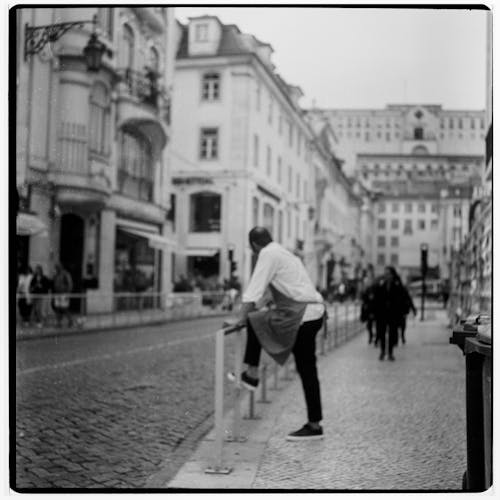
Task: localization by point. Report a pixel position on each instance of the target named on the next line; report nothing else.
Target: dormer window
(201, 32)
(210, 87)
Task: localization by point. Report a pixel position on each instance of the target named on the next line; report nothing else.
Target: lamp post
(423, 268)
(36, 37)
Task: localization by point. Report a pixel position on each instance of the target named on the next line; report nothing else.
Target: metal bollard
(263, 378)
(251, 407)
(336, 327)
(236, 432)
(275, 376)
(217, 467)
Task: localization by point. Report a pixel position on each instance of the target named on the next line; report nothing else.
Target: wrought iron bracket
(36, 37)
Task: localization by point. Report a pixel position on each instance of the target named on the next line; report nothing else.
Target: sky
(368, 58)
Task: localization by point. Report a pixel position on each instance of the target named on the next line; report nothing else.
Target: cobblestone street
(105, 410)
(388, 425)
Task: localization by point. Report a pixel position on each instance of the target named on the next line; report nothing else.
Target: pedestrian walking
(40, 287)
(408, 306)
(367, 309)
(289, 326)
(25, 301)
(390, 304)
(62, 286)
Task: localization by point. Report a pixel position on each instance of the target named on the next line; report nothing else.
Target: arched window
(154, 60)
(135, 167)
(418, 133)
(127, 47)
(205, 213)
(210, 90)
(420, 150)
(99, 120)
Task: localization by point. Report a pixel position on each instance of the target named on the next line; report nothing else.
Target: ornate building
(91, 156)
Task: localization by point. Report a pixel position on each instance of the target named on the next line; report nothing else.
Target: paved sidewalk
(388, 425)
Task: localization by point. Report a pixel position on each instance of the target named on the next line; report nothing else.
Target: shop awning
(198, 252)
(154, 240)
(29, 225)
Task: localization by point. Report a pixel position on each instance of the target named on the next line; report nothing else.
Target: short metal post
(235, 433)
(263, 384)
(217, 468)
(251, 407)
(336, 328)
(275, 376)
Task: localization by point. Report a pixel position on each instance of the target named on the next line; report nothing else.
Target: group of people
(386, 304)
(33, 289)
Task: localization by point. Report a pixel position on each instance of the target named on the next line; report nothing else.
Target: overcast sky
(355, 58)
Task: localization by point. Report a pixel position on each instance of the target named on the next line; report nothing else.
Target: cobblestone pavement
(106, 410)
(388, 425)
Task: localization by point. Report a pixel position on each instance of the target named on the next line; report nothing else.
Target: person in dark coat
(390, 304)
(367, 311)
(408, 306)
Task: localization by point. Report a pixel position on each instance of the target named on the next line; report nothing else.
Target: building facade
(92, 164)
(241, 154)
(420, 163)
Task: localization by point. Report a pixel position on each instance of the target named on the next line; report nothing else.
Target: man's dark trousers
(304, 352)
(384, 325)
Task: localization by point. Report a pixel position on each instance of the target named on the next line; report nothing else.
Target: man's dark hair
(260, 236)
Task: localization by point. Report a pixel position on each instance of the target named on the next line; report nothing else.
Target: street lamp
(36, 37)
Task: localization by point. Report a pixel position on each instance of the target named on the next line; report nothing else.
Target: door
(71, 253)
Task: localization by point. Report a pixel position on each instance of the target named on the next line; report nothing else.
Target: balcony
(78, 178)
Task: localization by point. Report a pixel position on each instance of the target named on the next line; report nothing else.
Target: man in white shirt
(289, 326)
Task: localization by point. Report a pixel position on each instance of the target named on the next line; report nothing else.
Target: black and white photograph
(250, 248)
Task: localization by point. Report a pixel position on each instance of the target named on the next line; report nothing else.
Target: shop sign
(177, 181)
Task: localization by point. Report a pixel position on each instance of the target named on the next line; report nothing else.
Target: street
(107, 409)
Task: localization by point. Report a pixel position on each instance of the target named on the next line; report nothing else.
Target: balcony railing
(143, 85)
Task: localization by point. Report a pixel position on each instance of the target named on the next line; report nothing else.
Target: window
(434, 224)
(472, 123)
(209, 143)
(394, 224)
(205, 212)
(255, 150)
(154, 60)
(289, 224)
(135, 165)
(395, 208)
(387, 136)
(99, 120)
(305, 191)
(270, 113)
(434, 208)
(394, 241)
(201, 32)
(127, 47)
(381, 207)
(297, 185)
(456, 234)
(268, 161)
(408, 227)
(394, 259)
(268, 221)
(255, 211)
(367, 136)
(457, 211)
(450, 123)
(299, 141)
(381, 259)
(421, 208)
(289, 178)
(105, 21)
(280, 226)
(408, 208)
(418, 133)
(421, 224)
(290, 134)
(279, 170)
(257, 97)
(210, 90)
(280, 124)
(460, 123)
(381, 241)
(381, 223)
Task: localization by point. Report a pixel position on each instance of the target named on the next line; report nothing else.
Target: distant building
(421, 163)
(241, 153)
(91, 163)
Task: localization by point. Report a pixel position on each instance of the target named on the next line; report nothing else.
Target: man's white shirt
(280, 268)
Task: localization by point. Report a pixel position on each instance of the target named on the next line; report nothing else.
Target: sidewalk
(388, 425)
